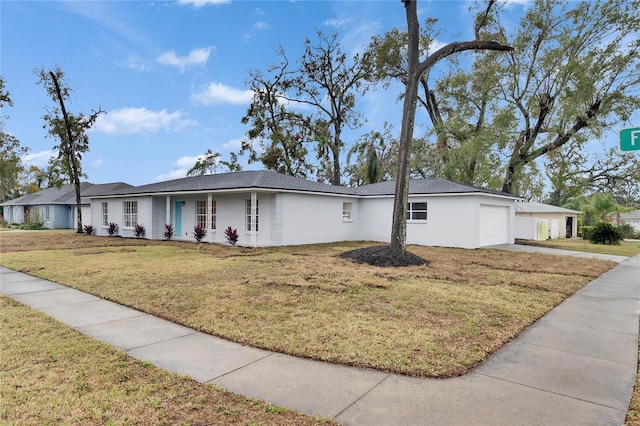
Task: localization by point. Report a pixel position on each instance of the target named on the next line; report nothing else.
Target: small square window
(417, 211)
(347, 212)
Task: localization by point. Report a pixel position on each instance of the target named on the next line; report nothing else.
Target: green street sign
(630, 139)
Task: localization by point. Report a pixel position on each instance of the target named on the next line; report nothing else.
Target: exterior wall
(550, 217)
(297, 218)
(115, 214)
(312, 218)
(452, 221)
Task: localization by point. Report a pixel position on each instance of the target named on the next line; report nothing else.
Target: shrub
(606, 233)
(199, 233)
(628, 231)
(585, 232)
(169, 232)
(89, 229)
(231, 234)
(112, 228)
(138, 230)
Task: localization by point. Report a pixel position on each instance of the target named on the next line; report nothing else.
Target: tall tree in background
(575, 73)
(68, 129)
(324, 80)
(208, 163)
(417, 70)
(10, 154)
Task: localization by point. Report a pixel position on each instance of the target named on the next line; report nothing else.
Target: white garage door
(494, 225)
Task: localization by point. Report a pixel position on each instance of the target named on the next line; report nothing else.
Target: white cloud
(255, 29)
(199, 3)
(196, 57)
(335, 22)
(233, 144)
(98, 163)
(217, 93)
(436, 45)
(141, 121)
(179, 168)
(134, 63)
(38, 159)
(511, 3)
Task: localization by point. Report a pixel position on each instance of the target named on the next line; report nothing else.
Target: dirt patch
(382, 256)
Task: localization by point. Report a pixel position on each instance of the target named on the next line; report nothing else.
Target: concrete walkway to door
(575, 366)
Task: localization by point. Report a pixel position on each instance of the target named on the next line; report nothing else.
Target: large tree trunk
(399, 225)
(415, 70)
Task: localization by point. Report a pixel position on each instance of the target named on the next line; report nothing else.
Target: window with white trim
(201, 214)
(130, 209)
(249, 225)
(347, 212)
(47, 214)
(105, 214)
(417, 211)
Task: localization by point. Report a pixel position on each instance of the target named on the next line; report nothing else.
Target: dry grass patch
(53, 375)
(435, 321)
(625, 248)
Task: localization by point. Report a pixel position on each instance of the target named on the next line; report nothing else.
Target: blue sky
(171, 74)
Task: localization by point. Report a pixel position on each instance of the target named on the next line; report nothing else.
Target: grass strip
(53, 375)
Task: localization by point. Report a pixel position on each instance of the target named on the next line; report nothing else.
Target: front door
(177, 220)
(569, 227)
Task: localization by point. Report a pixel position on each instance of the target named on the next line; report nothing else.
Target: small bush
(231, 234)
(169, 232)
(199, 233)
(138, 230)
(628, 231)
(585, 232)
(112, 228)
(32, 226)
(606, 233)
(89, 229)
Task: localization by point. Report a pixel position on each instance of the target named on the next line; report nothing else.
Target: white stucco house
(632, 218)
(271, 209)
(538, 221)
(55, 207)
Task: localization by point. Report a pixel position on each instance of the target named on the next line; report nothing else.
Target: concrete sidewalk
(575, 366)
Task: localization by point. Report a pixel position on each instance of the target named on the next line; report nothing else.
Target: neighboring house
(632, 218)
(538, 221)
(271, 209)
(55, 207)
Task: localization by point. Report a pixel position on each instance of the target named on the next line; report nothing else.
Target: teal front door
(177, 220)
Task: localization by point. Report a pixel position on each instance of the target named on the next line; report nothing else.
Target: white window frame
(202, 212)
(105, 213)
(130, 214)
(248, 225)
(415, 211)
(347, 211)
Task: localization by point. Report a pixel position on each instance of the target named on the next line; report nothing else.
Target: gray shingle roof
(427, 186)
(269, 180)
(65, 194)
(542, 208)
(633, 215)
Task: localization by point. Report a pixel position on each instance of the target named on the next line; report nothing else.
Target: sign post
(630, 139)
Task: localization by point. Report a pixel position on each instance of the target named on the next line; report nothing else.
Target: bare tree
(69, 129)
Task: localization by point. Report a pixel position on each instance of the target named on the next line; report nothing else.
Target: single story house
(538, 221)
(271, 209)
(55, 207)
(632, 218)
